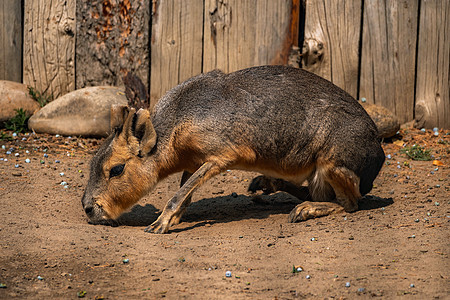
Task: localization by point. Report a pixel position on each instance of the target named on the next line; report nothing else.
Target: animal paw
(309, 210)
(157, 227)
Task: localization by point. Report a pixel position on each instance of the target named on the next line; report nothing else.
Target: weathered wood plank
(176, 45)
(240, 34)
(11, 40)
(388, 55)
(332, 37)
(112, 39)
(433, 63)
(49, 46)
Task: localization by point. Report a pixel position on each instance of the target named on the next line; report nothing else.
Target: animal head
(120, 171)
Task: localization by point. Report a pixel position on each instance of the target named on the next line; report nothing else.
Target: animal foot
(157, 227)
(309, 210)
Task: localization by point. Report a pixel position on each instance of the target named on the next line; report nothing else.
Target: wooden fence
(395, 53)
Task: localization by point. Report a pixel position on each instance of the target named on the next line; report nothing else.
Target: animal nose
(88, 209)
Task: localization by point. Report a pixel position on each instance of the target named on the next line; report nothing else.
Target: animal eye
(116, 171)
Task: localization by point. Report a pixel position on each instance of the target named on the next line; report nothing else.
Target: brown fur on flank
(283, 122)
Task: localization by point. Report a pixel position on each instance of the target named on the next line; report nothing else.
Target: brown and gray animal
(283, 122)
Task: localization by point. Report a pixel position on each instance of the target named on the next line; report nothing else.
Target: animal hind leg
(345, 184)
(327, 184)
(269, 185)
(321, 193)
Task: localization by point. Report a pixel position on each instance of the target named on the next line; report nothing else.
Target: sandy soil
(395, 246)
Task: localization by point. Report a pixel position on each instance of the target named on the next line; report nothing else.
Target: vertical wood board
(433, 63)
(332, 37)
(388, 55)
(176, 44)
(240, 34)
(112, 39)
(11, 40)
(49, 46)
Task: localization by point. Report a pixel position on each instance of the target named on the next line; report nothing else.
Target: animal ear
(144, 131)
(138, 131)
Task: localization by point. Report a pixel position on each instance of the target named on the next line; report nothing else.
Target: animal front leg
(175, 207)
(176, 220)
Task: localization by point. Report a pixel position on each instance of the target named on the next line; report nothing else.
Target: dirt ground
(395, 246)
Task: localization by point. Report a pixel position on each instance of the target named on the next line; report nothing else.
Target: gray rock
(14, 95)
(387, 123)
(84, 112)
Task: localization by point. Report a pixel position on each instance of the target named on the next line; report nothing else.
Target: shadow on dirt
(225, 209)
(369, 202)
(139, 216)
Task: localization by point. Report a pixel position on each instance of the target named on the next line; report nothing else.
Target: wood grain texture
(433, 61)
(176, 45)
(112, 39)
(388, 55)
(332, 37)
(240, 34)
(11, 40)
(49, 46)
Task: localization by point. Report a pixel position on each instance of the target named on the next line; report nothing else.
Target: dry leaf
(398, 143)
(438, 163)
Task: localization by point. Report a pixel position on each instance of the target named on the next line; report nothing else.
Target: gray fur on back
(285, 114)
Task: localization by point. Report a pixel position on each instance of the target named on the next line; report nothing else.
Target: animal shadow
(140, 215)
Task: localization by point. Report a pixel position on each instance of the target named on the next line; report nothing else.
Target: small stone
(63, 183)
(299, 269)
(347, 284)
(57, 161)
(228, 274)
(27, 160)
(363, 100)
(126, 260)
(61, 174)
(16, 154)
(423, 130)
(411, 285)
(57, 136)
(40, 278)
(308, 277)
(27, 152)
(8, 152)
(361, 290)
(435, 129)
(388, 156)
(16, 165)
(45, 155)
(436, 203)
(14, 134)
(416, 220)
(436, 133)
(3, 147)
(313, 239)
